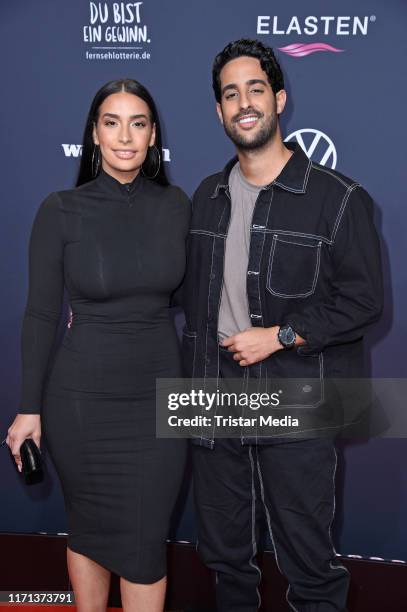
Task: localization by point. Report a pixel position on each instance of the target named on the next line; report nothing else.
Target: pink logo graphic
(301, 49)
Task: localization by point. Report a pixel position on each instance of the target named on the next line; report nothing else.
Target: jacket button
(207, 360)
(212, 276)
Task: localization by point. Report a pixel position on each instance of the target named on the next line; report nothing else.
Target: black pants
(293, 484)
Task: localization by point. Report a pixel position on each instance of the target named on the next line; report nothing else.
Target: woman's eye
(139, 124)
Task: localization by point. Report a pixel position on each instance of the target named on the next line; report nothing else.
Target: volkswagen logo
(316, 145)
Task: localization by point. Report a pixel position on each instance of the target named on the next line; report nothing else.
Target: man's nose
(244, 101)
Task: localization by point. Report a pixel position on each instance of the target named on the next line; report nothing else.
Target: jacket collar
(293, 177)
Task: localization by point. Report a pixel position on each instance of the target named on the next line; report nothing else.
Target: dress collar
(116, 186)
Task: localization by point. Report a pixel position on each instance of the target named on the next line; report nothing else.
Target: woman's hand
(24, 426)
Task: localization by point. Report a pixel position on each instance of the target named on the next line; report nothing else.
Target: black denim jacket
(314, 262)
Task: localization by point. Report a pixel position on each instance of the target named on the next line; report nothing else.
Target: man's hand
(255, 344)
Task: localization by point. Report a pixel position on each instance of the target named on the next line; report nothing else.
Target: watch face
(290, 335)
(287, 336)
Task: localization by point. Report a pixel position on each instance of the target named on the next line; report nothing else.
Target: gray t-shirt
(234, 307)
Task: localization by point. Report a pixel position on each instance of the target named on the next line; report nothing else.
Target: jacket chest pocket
(293, 266)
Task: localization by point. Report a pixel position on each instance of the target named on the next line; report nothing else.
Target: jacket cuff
(314, 345)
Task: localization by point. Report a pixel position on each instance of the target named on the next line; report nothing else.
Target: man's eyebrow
(254, 81)
(230, 86)
(250, 82)
(118, 116)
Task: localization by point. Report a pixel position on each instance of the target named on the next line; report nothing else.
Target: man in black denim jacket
(314, 285)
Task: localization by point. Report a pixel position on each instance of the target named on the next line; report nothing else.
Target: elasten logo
(312, 25)
(301, 50)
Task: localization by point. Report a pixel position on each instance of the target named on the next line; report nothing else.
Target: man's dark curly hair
(251, 48)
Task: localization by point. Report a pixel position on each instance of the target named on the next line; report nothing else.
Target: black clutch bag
(32, 461)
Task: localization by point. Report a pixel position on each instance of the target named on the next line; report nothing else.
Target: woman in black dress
(117, 244)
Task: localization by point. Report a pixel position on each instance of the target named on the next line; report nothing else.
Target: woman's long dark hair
(86, 168)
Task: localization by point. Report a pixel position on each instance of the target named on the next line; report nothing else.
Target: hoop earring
(95, 171)
(158, 166)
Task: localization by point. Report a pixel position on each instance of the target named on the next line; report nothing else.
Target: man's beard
(262, 137)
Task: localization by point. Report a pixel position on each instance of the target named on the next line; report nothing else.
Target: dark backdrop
(344, 64)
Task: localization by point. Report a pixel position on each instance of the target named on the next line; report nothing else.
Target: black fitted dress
(119, 250)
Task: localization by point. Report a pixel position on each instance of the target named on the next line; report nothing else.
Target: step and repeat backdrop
(344, 65)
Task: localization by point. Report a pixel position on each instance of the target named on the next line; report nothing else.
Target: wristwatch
(286, 336)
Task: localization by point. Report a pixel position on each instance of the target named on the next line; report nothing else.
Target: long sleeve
(356, 293)
(44, 303)
(176, 300)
